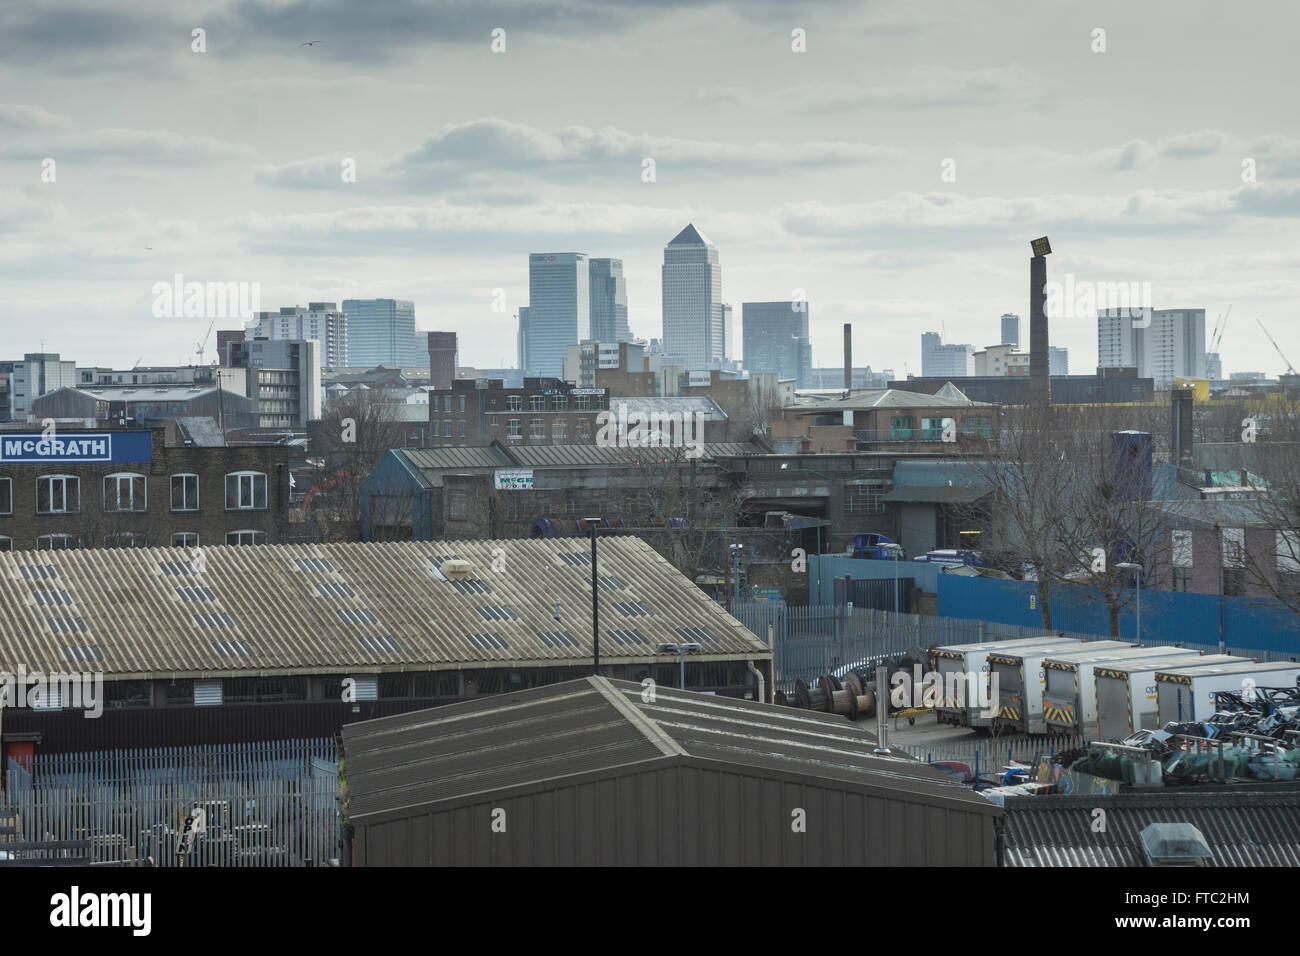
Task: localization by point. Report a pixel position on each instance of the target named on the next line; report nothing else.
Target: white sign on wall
(513, 479)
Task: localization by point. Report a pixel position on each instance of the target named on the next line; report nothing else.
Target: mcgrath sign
(514, 479)
(75, 447)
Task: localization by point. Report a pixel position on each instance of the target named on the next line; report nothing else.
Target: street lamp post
(680, 650)
(1128, 566)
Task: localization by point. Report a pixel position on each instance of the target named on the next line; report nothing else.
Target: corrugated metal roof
(937, 494)
(443, 459)
(1244, 827)
(890, 398)
(568, 729)
(138, 608)
(672, 404)
(542, 456)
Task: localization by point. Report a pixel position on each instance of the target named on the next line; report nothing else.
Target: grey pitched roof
(689, 236)
(890, 398)
(1244, 826)
(596, 724)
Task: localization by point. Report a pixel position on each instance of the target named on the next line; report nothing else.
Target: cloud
(19, 116)
(139, 147)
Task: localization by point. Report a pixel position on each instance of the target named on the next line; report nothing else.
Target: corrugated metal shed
(332, 608)
(1243, 826)
(591, 771)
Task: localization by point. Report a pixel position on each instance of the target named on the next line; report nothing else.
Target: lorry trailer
(967, 665)
(1069, 697)
(1126, 691)
(1188, 694)
(1021, 679)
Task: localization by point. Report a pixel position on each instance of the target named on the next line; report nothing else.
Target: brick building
(128, 488)
(544, 411)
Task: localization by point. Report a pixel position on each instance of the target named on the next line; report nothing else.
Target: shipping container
(1188, 694)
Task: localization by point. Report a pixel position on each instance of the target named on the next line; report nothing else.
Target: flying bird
(311, 42)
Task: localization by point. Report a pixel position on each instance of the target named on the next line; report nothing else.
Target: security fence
(810, 641)
(264, 804)
(984, 754)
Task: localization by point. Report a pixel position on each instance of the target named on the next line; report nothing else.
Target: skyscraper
(382, 332)
(559, 309)
(523, 340)
(692, 301)
(940, 359)
(1171, 346)
(322, 321)
(1058, 361)
(608, 301)
(776, 339)
(1010, 329)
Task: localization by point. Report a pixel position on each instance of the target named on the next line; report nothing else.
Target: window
(120, 694)
(58, 542)
(537, 429)
(6, 496)
(560, 403)
(514, 403)
(537, 403)
(1182, 579)
(124, 492)
(246, 491)
(6, 544)
(58, 494)
(1182, 549)
(559, 433)
(582, 402)
(185, 539)
(932, 429)
(977, 425)
(514, 428)
(462, 404)
(185, 492)
(125, 539)
(462, 429)
(1234, 548)
(863, 499)
(1234, 582)
(900, 426)
(246, 537)
(446, 403)
(458, 504)
(582, 429)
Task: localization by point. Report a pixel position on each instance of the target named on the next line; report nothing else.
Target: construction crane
(1290, 369)
(1218, 330)
(204, 344)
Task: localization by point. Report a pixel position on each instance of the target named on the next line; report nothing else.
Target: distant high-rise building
(776, 340)
(225, 339)
(559, 309)
(1010, 329)
(284, 381)
(940, 359)
(1171, 346)
(442, 359)
(694, 334)
(728, 335)
(608, 301)
(322, 321)
(522, 337)
(382, 332)
(1213, 366)
(1058, 361)
(39, 373)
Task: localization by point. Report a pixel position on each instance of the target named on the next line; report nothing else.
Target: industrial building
(194, 644)
(599, 772)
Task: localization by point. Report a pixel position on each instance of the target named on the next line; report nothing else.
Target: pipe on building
(762, 686)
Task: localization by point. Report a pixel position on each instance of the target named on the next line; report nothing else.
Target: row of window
(129, 492)
(537, 429)
(902, 426)
(131, 539)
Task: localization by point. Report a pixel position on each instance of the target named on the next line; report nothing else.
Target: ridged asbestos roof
(597, 724)
(1243, 827)
(325, 608)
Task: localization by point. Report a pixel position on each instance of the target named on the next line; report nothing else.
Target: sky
(894, 169)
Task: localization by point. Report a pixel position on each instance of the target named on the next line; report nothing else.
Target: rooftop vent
(1175, 844)
(457, 570)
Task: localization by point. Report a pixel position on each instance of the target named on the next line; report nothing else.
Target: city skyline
(761, 147)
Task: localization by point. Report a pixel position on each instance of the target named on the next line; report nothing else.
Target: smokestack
(848, 356)
(1040, 382)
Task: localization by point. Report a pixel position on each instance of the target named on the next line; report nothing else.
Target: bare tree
(1270, 458)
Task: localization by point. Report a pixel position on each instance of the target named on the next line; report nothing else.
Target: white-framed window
(514, 428)
(6, 544)
(537, 429)
(1182, 549)
(462, 404)
(58, 494)
(462, 429)
(185, 539)
(537, 403)
(246, 491)
(446, 428)
(6, 496)
(514, 402)
(125, 539)
(125, 491)
(247, 536)
(1234, 547)
(560, 402)
(559, 432)
(582, 402)
(58, 542)
(185, 492)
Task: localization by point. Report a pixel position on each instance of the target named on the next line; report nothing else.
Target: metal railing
(266, 804)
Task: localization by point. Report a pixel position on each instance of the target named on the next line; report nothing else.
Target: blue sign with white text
(75, 447)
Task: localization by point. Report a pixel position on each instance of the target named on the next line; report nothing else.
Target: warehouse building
(613, 773)
(194, 644)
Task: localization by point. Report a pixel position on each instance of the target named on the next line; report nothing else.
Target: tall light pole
(736, 550)
(1128, 566)
(595, 606)
(680, 650)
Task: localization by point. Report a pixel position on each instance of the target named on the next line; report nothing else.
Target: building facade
(544, 411)
(284, 382)
(1010, 329)
(39, 373)
(322, 321)
(125, 488)
(776, 340)
(693, 320)
(559, 309)
(1058, 361)
(1171, 346)
(608, 301)
(382, 332)
(442, 359)
(940, 359)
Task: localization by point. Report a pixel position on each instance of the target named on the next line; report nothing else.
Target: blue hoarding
(75, 448)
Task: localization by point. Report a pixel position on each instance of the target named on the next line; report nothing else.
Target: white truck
(1126, 691)
(956, 662)
(1069, 697)
(1188, 694)
(1021, 679)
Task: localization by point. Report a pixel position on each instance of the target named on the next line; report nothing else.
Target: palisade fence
(985, 754)
(810, 641)
(272, 803)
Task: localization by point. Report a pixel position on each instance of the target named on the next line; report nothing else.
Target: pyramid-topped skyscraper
(692, 301)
